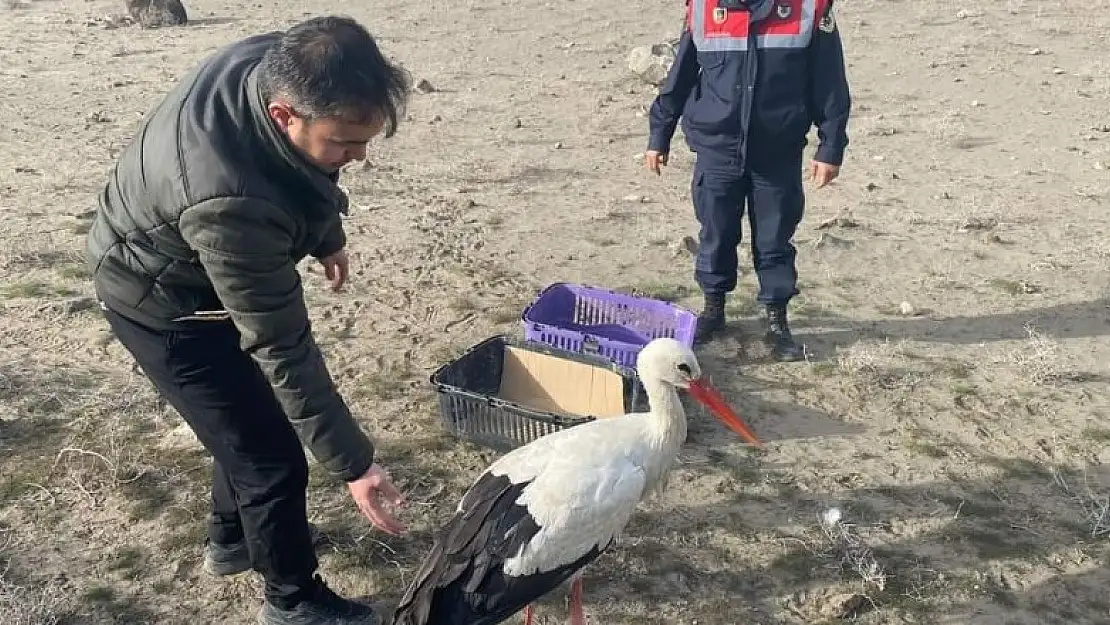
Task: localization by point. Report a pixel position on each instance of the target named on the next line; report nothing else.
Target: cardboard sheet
(543, 382)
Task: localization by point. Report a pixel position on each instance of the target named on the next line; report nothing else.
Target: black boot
(323, 607)
(232, 559)
(778, 335)
(712, 317)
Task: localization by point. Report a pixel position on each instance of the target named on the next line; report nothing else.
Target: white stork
(542, 512)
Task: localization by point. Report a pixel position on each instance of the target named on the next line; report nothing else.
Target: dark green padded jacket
(209, 209)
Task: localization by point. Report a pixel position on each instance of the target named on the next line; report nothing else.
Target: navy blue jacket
(739, 107)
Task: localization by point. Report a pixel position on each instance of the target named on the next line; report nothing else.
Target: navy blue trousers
(775, 201)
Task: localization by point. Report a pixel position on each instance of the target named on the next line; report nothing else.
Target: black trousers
(775, 200)
(260, 472)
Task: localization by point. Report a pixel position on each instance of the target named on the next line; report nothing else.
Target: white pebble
(831, 516)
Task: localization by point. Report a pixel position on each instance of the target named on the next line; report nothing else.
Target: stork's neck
(665, 433)
(666, 418)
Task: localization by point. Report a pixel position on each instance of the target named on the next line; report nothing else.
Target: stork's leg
(577, 615)
(528, 612)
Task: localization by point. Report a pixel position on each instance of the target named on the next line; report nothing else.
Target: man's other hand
(336, 267)
(823, 173)
(654, 160)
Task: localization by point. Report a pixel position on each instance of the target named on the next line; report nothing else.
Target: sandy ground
(955, 308)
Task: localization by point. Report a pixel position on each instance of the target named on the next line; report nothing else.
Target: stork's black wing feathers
(461, 581)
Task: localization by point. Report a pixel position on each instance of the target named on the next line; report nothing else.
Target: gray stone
(157, 13)
(651, 63)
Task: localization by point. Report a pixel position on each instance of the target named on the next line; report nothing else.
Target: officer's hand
(654, 159)
(336, 268)
(369, 491)
(823, 173)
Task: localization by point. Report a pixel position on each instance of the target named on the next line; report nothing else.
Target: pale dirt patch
(955, 309)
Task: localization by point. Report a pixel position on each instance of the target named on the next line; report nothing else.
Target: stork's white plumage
(542, 512)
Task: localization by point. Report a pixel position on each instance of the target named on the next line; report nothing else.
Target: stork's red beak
(703, 391)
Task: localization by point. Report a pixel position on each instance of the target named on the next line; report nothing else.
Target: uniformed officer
(750, 78)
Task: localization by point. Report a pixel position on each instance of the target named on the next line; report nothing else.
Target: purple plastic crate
(591, 320)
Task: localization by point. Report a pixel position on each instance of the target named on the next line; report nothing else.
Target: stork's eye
(685, 368)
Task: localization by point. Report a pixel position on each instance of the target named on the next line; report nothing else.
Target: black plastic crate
(471, 411)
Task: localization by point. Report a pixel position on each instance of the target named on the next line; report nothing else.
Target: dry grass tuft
(850, 551)
(42, 604)
(878, 366)
(863, 358)
(1040, 360)
(1095, 505)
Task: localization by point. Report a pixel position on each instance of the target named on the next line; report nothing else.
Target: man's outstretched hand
(371, 492)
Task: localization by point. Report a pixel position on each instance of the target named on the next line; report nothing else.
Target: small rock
(637, 199)
(435, 119)
(423, 86)
(651, 63)
(976, 103)
(826, 239)
(558, 145)
(516, 123)
(70, 306)
(847, 606)
(157, 13)
(871, 186)
(906, 309)
(1099, 165)
(1035, 52)
(839, 222)
(979, 223)
(676, 578)
(1058, 70)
